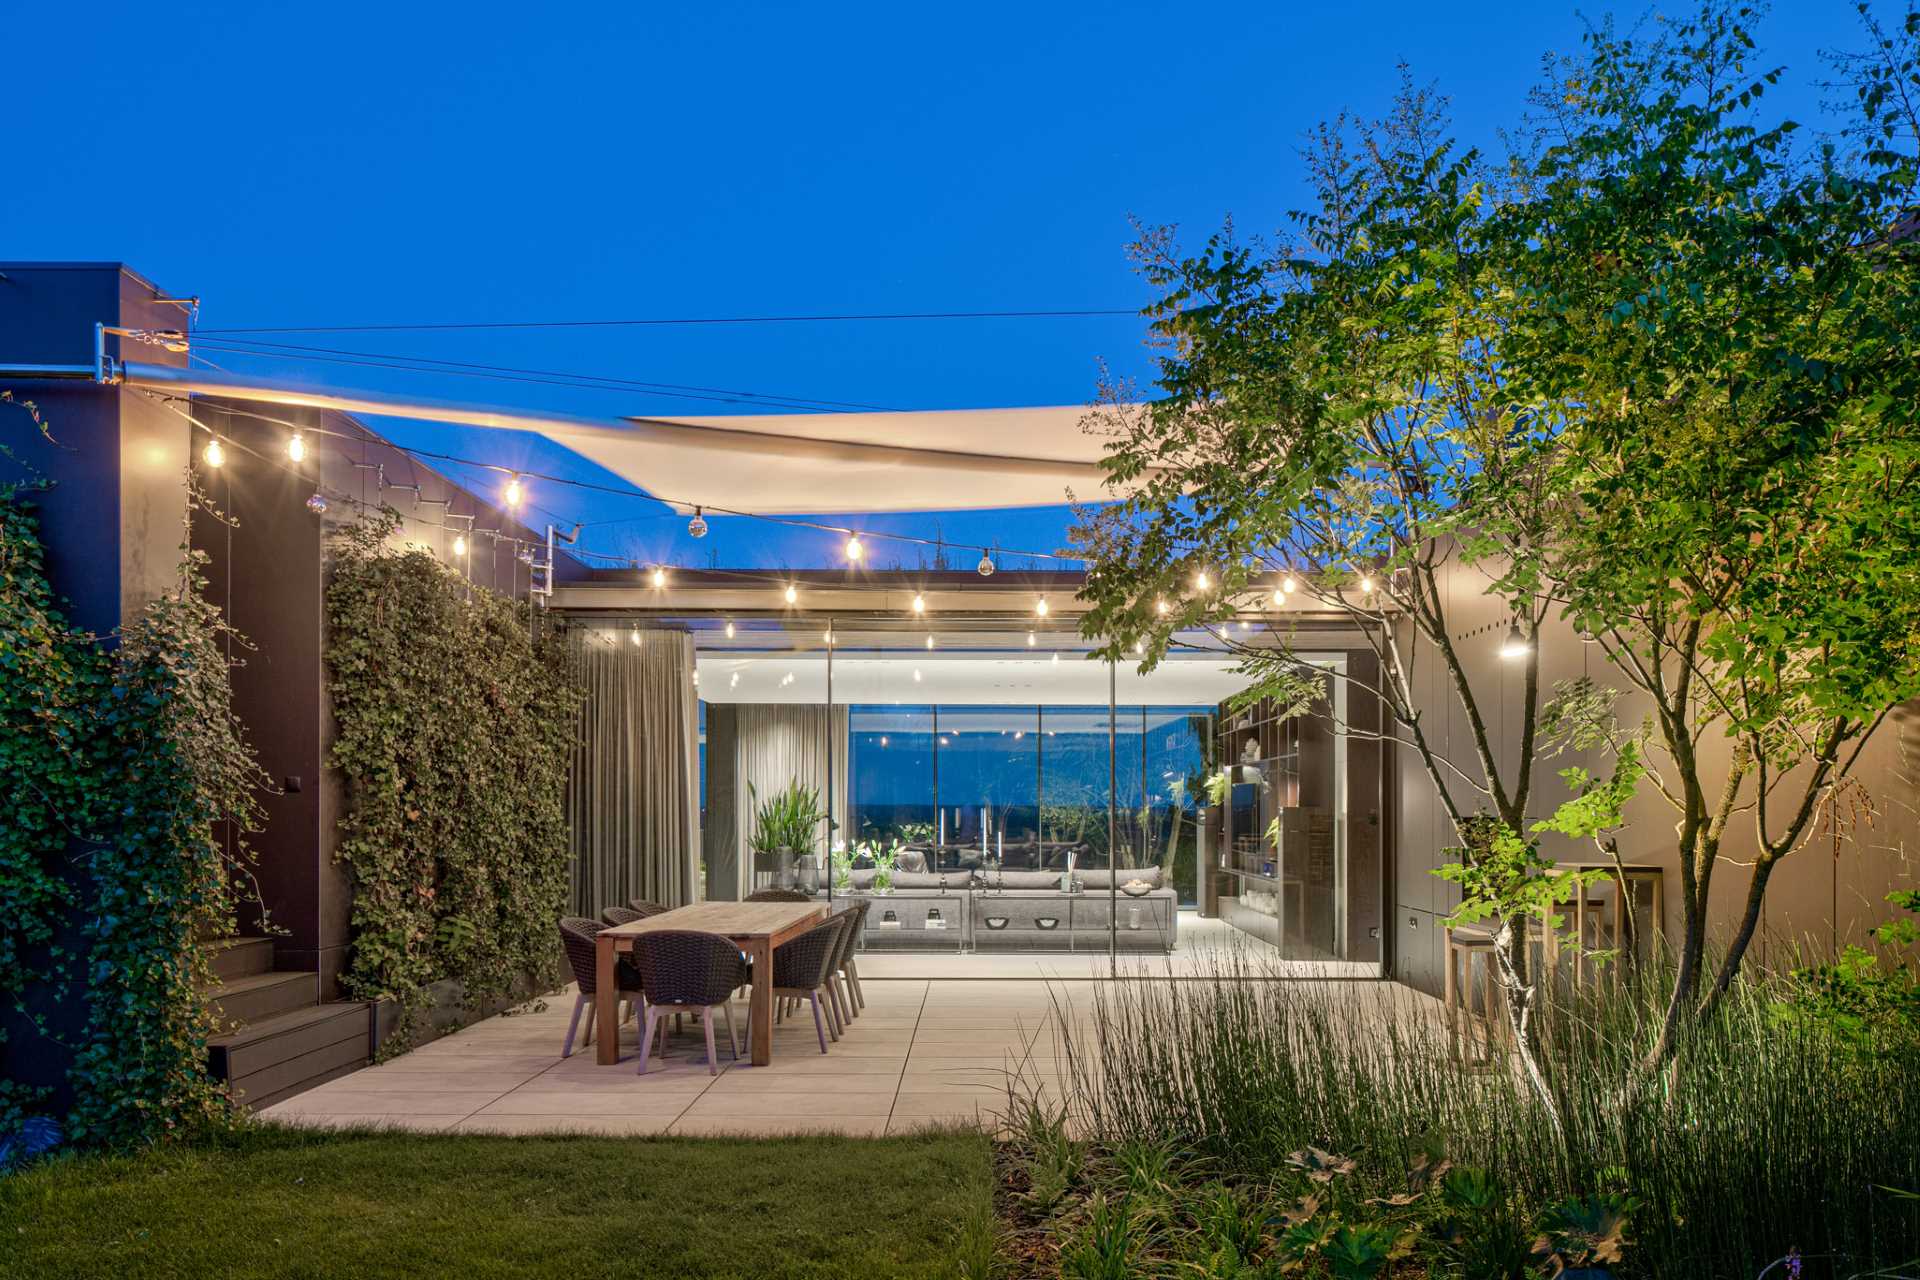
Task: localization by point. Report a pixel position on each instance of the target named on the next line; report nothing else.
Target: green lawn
(275, 1203)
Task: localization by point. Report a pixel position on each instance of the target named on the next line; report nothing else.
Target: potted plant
(785, 826)
(883, 860)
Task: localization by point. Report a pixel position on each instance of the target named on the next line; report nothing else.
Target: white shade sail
(939, 460)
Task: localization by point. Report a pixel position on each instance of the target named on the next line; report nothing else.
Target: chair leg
(833, 1014)
(593, 1020)
(853, 980)
(706, 1023)
(819, 1028)
(733, 1041)
(840, 1004)
(646, 1037)
(573, 1024)
(845, 988)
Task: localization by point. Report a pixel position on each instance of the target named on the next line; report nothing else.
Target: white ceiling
(962, 680)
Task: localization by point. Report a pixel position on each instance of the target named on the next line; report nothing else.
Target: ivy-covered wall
(120, 757)
(454, 728)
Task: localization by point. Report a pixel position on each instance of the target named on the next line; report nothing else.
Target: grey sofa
(1004, 910)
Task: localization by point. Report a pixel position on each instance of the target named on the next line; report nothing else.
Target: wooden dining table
(755, 927)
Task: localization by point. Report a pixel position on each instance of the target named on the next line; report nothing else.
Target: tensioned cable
(547, 377)
(862, 317)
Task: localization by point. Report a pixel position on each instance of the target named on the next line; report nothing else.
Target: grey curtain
(767, 745)
(633, 796)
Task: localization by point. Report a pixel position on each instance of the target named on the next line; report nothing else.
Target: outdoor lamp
(215, 455)
(1516, 646)
(296, 446)
(697, 527)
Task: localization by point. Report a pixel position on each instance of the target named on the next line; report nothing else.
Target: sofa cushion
(910, 860)
(932, 879)
(861, 877)
(1020, 879)
(1113, 879)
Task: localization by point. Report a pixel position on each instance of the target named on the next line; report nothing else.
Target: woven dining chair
(801, 971)
(647, 908)
(577, 935)
(621, 915)
(682, 970)
(844, 967)
(778, 895)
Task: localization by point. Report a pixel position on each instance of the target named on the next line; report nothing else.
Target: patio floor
(923, 1053)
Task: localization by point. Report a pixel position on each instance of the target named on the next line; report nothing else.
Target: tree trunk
(1749, 922)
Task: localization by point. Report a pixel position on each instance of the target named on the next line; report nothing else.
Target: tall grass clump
(1765, 1134)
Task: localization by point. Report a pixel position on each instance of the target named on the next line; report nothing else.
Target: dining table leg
(760, 951)
(606, 1003)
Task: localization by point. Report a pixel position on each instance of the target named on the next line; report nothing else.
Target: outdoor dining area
(658, 964)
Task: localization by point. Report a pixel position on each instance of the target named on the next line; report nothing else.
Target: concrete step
(262, 995)
(240, 957)
(279, 1056)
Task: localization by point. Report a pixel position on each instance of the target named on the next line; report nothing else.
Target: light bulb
(1032, 640)
(1279, 598)
(1160, 607)
(1516, 646)
(659, 576)
(793, 594)
(635, 635)
(916, 675)
(854, 549)
(1139, 646)
(513, 492)
(215, 455)
(1056, 658)
(729, 629)
(1201, 580)
(459, 544)
(827, 635)
(317, 503)
(1243, 624)
(733, 681)
(919, 604)
(1366, 584)
(929, 642)
(1288, 585)
(697, 527)
(1040, 606)
(296, 446)
(985, 567)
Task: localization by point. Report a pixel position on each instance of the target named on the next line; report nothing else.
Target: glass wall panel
(890, 795)
(989, 786)
(1077, 782)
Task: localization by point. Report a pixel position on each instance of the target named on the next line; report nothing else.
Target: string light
(793, 593)
(854, 549)
(659, 576)
(1288, 586)
(317, 503)
(1040, 606)
(827, 635)
(1279, 597)
(729, 628)
(635, 636)
(459, 544)
(929, 642)
(1160, 607)
(1201, 580)
(1032, 640)
(733, 681)
(514, 491)
(697, 527)
(296, 446)
(1366, 584)
(215, 455)
(1139, 646)
(916, 675)
(985, 567)
(1056, 659)
(919, 603)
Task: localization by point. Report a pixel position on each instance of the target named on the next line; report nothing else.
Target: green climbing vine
(129, 787)
(455, 729)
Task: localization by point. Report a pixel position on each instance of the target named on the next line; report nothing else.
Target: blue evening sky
(352, 163)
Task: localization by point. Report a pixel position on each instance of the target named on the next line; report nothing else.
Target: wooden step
(279, 1056)
(262, 995)
(239, 957)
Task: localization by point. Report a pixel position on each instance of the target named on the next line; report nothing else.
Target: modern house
(990, 786)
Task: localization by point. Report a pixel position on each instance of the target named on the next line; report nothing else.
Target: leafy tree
(1333, 423)
(1727, 326)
